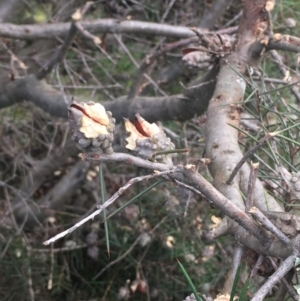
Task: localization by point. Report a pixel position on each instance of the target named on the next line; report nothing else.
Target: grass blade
(103, 199)
(234, 286)
(135, 197)
(244, 290)
(190, 282)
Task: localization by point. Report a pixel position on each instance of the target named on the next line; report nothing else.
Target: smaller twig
(188, 187)
(150, 59)
(21, 64)
(172, 151)
(106, 204)
(259, 261)
(50, 280)
(286, 266)
(251, 185)
(97, 41)
(115, 86)
(237, 257)
(122, 157)
(249, 153)
(138, 66)
(58, 250)
(258, 215)
(288, 287)
(59, 55)
(278, 61)
(167, 11)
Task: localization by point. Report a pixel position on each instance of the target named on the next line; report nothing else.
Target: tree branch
(52, 31)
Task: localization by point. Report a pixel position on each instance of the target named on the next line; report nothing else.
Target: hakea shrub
(93, 127)
(148, 141)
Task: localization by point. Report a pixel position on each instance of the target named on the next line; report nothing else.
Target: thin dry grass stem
(50, 278)
(129, 250)
(291, 291)
(249, 153)
(268, 225)
(106, 204)
(251, 186)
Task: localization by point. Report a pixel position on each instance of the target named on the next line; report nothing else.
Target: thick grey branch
(180, 107)
(52, 31)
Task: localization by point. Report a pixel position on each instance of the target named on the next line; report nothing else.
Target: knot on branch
(93, 127)
(148, 141)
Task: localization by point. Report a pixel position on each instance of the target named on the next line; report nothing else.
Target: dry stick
(58, 57)
(281, 292)
(128, 250)
(123, 157)
(257, 265)
(237, 257)
(251, 185)
(286, 266)
(278, 60)
(106, 204)
(97, 41)
(150, 59)
(137, 65)
(291, 291)
(58, 250)
(195, 180)
(283, 45)
(258, 215)
(248, 154)
(220, 201)
(52, 31)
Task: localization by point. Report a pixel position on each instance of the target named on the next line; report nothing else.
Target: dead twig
(283, 269)
(106, 204)
(258, 215)
(249, 153)
(251, 185)
(291, 291)
(59, 55)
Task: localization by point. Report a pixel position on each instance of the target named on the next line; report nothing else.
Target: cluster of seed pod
(93, 127)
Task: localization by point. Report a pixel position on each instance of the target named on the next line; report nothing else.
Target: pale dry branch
(52, 31)
(251, 185)
(106, 204)
(291, 291)
(258, 215)
(283, 269)
(60, 54)
(249, 153)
